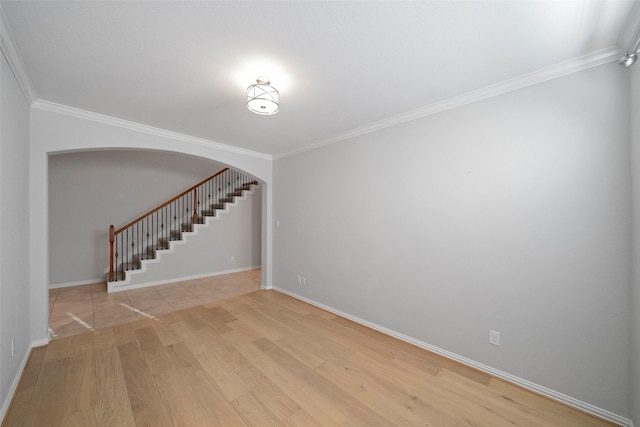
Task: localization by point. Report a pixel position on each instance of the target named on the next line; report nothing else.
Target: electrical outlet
(13, 348)
(494, 338)
(299, 280)
(304, 281)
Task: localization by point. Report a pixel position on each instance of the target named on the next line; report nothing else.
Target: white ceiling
(339, 66)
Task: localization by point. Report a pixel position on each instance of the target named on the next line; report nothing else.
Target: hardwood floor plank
(152, 349)
(222, 314)
(303, 353)
(203, 347)
(239, 376)
(298, 340)
(458, 387)
(216, 317)
(282, 301)
(308, 334)
(373, 343)
(506, 406)
(416, 356)
(371, 392)
(253, 411)
(262, 359)
(126, 333)
(415, 389)
(193, 317)
(84, 418)
(265, 326)
(57, 349)
(166, 334)
(544, 410)
(47, 402)
(179, 398)
(247, 332)
(80, 389)
(17, 412)
(316, 404)
(182, 328)
(32, 369)
(404, 355)
(114, 406)
(201, 389)
(345, 402)
(147, 402)
(301, 419)
(274, 399)
(293, 304)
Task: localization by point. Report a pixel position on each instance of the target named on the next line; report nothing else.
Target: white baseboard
(551, 394)
(127, 287)
(14, 384)
(82, 282)
(40, 343)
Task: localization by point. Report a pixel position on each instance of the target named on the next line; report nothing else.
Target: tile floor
(78, 309)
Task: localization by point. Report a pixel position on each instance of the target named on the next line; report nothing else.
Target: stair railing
(153, 231)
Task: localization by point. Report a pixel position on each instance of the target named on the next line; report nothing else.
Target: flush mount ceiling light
(631, 55)
(263, 98)
(629, 59)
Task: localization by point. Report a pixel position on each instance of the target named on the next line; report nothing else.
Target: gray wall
(635, 284)
(511, 214)
(88, 191)
(14, 231)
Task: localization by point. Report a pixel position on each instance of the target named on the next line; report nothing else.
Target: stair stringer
(194, 255)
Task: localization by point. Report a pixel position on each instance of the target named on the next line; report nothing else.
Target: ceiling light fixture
(262, 98)
(631, 55)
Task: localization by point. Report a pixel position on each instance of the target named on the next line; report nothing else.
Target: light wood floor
(263, 359)
(78, 309)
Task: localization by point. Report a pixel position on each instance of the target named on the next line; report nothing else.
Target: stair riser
(175, 235)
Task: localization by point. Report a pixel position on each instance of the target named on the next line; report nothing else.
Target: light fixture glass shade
(263, 98)
(629, 59)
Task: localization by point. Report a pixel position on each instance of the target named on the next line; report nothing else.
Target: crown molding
(553, 72)
(138, 127)
(13, 57)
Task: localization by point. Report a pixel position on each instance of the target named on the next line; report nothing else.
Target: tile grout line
(164, 299)
(192, 298)
(129, 302)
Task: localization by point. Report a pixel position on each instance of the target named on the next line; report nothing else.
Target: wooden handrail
(169, 201)
(155, 229)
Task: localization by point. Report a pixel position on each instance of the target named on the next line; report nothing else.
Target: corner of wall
(634, 290)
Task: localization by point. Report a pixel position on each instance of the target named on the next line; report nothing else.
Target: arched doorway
(54, 133)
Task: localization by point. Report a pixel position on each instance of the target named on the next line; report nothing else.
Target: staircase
(133, 247)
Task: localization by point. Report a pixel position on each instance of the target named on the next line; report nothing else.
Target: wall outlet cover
(494, 338)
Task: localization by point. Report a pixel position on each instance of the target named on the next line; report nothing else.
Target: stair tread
(158, 247)
(130, 266)
(165, 241)
(234, 189)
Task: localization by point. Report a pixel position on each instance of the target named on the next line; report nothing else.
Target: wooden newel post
(112, 236)
(195, 207)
